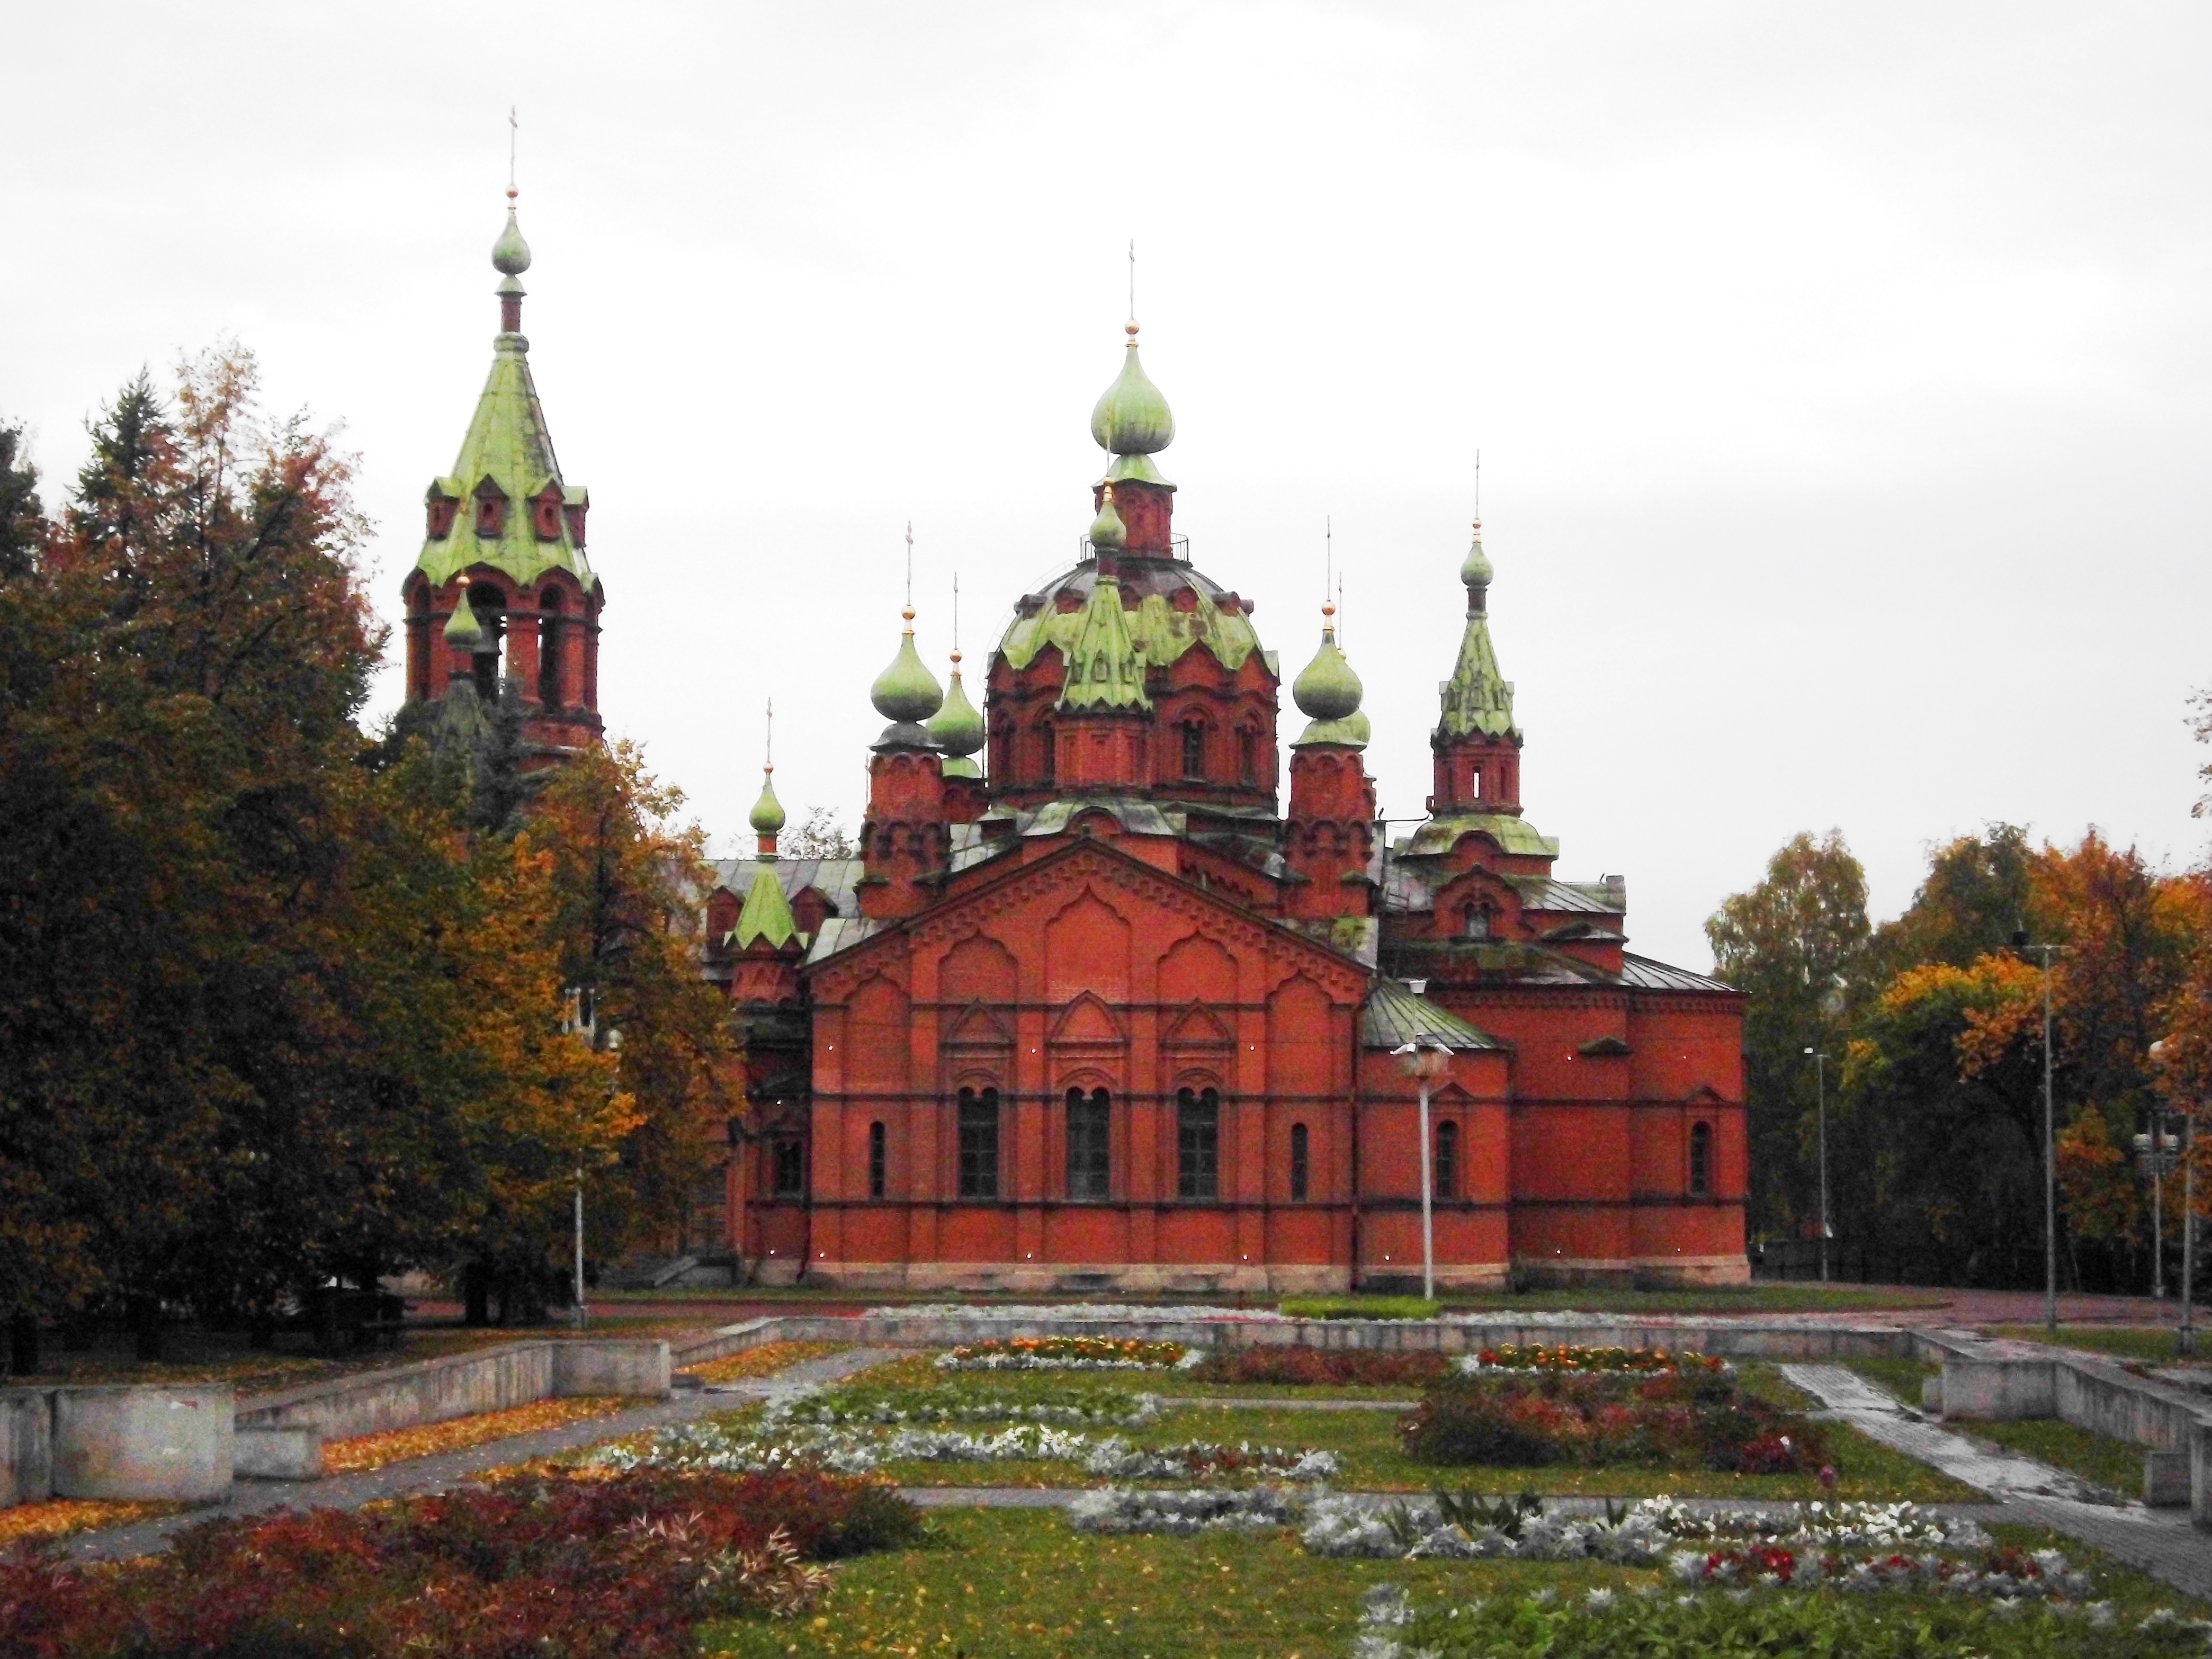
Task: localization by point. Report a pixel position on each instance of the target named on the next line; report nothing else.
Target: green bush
(1360, 1307)
(1682, 1421)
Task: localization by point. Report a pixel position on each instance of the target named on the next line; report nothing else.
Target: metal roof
(831, 878)
(1646, 975)
(1395, 1016)
(1582, 897)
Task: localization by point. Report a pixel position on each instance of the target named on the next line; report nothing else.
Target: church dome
(767, 812)
(510, 255)
(957, 728)
(1327, 689)
(907, 691)
(1475, 571)
(1132, 418)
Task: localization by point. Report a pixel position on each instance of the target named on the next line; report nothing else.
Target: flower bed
(1320, 1367)
(1608, 1624)
(1124, 1509)
(1675, 1420)
(847, 1450)
(372, 1451)
(955, 1404)
(2009, 1571)
(1069, 1353)
(1571, 1357)
(763, 1361)
(620, 1567)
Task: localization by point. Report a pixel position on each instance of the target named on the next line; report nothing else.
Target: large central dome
(1171, 606)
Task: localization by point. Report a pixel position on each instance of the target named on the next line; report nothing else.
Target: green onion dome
(463, 632)
(510, 255)
(1476, 571)
(1107, 530)
(767, 812)
(957, 728)
(906, 691)
(1133, 418)
(1327, 689)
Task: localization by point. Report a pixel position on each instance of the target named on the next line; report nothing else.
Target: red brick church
(1101, 1011)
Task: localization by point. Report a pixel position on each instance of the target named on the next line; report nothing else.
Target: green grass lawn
(1901, 1377)
(1018, 1584)
(2152, 1346)
(2114, 1465)
(1368, 1444)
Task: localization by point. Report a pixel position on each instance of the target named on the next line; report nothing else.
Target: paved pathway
(2160, 1542)
(429, 1474)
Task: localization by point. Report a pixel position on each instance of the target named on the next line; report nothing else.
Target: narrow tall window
(1048, 764)
(1446, 1168)
(788, 1173)
(1248, 756)
(1194, 750)
(979, 1144)
(1090, 1161)
(876, 1159)
(549, 647)
(1198, 1144)
(1701, 1160)
(1298, 1165)
(1476, 921)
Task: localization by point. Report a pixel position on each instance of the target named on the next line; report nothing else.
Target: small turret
(1329, 693)
(1476, 744)
(906, 694)
(1132, 422)
(1329, 836)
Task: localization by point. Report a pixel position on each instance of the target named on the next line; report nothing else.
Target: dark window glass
(1476, 921)
(789, 1170)
(876, 1150)
(1194, 751)
(1048, 768)
(1090, 1163)
(1248, 756)
(979, 1144)
(1446, 1168)
(1198, 1144)
(1701, 1159)
(1298, 1166)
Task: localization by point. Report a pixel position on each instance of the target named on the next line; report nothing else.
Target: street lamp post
(2184, 1339)
(1821, 1094)
(2049, 1147)
(1425, 1065)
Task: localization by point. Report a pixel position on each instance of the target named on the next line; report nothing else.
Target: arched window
(1701, 1160)
(1445, 1170)
(1198, 1144)
(1193, 749)
(1089, 1160)
(1248, 756)
(979, 1144)
(876, 1160)
(1298, 1164)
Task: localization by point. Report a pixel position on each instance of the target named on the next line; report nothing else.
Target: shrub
(613, 1568)
(1316, 1367)
(1360, 1307)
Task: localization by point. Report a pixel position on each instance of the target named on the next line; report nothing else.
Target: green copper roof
(1511, 833)
(1157, 628)
(767, 812)
(508, 447)
(462, 629)
(1329, 692)
(1105, 664)
(957, 728)
(906, 691)
(1478, 697)
(958, 766)
(510, 254)
(1353, 731)
(1395, 1016)
(1131, 416)
(1107, 530)
(1133, 468)
(767, 913)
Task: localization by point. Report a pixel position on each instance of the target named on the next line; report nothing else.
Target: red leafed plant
(622, 1567)
(1308, 1367)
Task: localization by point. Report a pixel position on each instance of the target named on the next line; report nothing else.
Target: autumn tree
(1795, 944)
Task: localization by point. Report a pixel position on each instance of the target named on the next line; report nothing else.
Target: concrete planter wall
(137, 1442)
(27, 1446)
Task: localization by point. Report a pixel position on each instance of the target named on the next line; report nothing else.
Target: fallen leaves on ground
(768, 1357)
(68, 1515)
(374, 1451)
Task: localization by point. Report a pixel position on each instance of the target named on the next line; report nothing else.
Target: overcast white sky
(1840, 372)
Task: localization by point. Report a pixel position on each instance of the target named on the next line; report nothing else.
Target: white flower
(1599, 1601)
